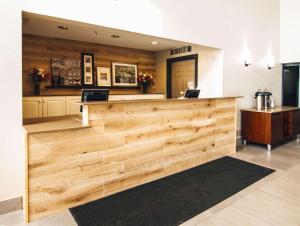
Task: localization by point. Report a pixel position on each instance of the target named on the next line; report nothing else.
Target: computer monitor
(94, 95)
(192, 93)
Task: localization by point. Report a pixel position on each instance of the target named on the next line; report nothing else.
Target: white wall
(290, 31)
(228, 24)
(231, 25)
(11, 106)
(210, 70)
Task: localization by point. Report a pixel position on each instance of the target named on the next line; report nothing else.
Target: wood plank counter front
(121, 145)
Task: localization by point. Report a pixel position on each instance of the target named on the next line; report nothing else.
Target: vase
(37, 88)
(145, 88)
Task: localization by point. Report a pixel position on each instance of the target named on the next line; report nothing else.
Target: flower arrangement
(145, 79)
(37, 76)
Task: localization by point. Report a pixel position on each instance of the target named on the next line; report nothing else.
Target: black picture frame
(87, 78)
(113, 74)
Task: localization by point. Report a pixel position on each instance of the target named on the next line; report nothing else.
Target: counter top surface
(53, 124)
(53, 95)
(153, 100)
(60, 95)
(273, 110)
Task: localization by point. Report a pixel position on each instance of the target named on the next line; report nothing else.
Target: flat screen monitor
(192, 93)
(94, 95)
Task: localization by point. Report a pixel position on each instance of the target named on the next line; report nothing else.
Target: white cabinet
(54, 106)
(50, 106)
(32, 107)
(72, 106)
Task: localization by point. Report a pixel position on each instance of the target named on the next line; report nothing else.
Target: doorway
(290, 85)
(181, 74)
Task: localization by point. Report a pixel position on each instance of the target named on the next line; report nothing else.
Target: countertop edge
(153, 100)
(77, 125)
(273, 110)
(79, 95)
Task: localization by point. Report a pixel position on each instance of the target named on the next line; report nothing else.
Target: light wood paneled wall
(38, 50)
(127, 144)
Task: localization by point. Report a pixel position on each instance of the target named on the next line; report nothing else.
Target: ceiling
(48, 26)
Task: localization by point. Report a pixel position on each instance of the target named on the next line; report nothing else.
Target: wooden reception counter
(122, 144)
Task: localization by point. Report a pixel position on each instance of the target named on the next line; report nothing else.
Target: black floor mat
(174, 199)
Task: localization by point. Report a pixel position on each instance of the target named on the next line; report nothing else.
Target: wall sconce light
(271, 63)
(247, 63)
(248, 58)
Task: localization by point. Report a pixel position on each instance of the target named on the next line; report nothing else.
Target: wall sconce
(247, 63)
(248, 58)
(271, 63)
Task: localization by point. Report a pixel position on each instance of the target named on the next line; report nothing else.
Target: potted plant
(145, 80)
(37, 76)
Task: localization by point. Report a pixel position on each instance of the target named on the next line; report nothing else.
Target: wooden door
(72, 106)
(32, 107)
(54, 106)
(183, 73)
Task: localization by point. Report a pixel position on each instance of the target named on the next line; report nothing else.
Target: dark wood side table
(270, 126)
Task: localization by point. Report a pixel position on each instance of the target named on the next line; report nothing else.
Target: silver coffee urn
(264, 100)
(260, 100)
(267, 97)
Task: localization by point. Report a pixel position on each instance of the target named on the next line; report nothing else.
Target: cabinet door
(287, 123)
(54, 106)
(32, 107)
(277, 127)
(251, 126)
(296, 122)
(72, 105)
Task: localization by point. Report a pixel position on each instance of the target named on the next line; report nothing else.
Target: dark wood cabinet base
(270, 127)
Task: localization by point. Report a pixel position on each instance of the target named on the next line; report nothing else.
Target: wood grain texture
(37, 52)
(125, 146)
(277, 128)
(270, 128)
(296, 122)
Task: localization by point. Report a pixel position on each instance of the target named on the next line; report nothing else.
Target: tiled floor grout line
(279, 197)
(257, 217)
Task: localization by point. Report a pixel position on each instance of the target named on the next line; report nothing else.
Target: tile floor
(274, 200)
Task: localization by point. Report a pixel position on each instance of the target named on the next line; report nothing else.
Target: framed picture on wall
(124, 74)
(87, 67)
(103, 76)
(65, 71)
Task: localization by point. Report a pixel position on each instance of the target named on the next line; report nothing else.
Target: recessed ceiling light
(115, 36)
(62, 27)
(154, 43)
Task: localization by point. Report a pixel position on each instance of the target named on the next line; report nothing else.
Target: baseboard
(10, 205)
